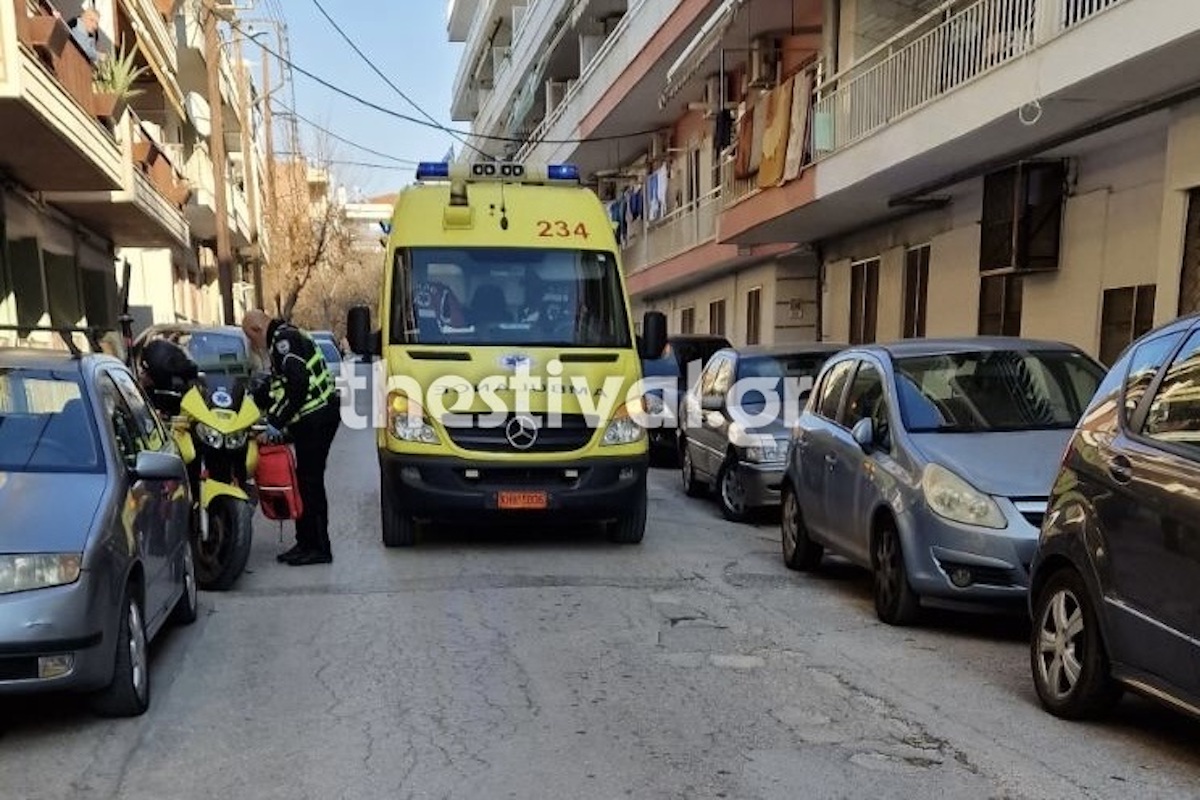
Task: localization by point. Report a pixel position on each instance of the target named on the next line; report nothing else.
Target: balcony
(147, 211)
(459, 16)
(475, 65)
(684, 229)
(52, 139)
(202, 209)
(974, 84)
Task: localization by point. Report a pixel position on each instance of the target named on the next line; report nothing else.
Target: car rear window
(45, 423)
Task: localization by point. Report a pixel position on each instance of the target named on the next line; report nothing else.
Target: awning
(697, 52)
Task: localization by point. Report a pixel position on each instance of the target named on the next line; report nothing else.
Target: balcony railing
(156, 162)
(613, 57)
(949, 47)
(733, 188)
(686, 227)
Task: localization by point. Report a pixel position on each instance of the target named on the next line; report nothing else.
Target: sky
(407, 40)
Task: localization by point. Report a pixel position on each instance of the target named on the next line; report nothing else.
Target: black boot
(308, 557)
(288, 555)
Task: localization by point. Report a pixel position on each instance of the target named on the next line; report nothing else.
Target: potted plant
(47, 34)
(113, 84)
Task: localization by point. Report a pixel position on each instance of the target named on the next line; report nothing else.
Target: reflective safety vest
(320, 384)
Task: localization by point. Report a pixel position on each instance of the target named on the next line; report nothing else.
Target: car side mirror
(654, 335)
(712, 402)
(159, 467)
(864, 433)
(358, 332)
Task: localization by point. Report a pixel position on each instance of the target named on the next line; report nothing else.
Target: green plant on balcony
(115, 82)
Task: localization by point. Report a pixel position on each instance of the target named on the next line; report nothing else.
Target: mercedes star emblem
(521, 432)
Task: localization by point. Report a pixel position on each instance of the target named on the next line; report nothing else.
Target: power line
(283, 110)
(405, 117)
(383, 76)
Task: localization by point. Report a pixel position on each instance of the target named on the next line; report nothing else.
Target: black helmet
(168, 369)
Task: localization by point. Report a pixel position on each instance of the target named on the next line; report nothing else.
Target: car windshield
(44, 423)
(213, 351)
(800, 370)
(330, 352)
(1001, 390)
(506, 296)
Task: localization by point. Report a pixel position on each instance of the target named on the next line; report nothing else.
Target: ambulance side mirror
(654, 335)
(358, 332)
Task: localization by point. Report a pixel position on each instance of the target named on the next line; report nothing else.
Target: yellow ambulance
(508, 371)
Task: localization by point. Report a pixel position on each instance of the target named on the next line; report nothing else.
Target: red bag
(278, 487)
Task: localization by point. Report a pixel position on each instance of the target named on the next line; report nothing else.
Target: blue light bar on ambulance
(498, 171)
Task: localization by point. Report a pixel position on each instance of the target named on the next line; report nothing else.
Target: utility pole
(269, 131)
(216, 143)
(249, 164)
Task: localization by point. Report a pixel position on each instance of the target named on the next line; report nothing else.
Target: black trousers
(312, 436)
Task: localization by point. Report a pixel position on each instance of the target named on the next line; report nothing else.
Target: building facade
(854, 170)
(99, 172)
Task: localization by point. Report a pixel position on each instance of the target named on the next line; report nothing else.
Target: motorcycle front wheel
(221, 556)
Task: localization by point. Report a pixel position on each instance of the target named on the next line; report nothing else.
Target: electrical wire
(415, 121)
(283, 111)
(387, 80)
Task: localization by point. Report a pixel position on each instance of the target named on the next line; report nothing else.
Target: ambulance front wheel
(399, 529)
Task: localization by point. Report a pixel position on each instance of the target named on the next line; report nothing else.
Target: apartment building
(95, 174)
(868, 169)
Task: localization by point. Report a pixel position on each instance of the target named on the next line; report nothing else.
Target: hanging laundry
(777, 119)
(660, 189)
(723, 130)
(798, 151)
(756, 141)
(745, 143)
(636, 202)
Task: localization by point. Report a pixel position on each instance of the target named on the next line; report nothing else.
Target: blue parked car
(930, 462)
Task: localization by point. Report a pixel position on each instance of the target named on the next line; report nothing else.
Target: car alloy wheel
(733, 492)
(799, 550)
(895, 601)
(1060, 643)
(138, 653)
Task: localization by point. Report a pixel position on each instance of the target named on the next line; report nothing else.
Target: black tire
(128, 695)
(691, 486)
(1063, 599)
(187, 610)
(895, 601)
(799, 551)
(630, 528)
(729, 486)
(399, 529)
(222, 560)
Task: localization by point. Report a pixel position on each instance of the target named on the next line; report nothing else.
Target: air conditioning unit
(764, 64)
(556, 91)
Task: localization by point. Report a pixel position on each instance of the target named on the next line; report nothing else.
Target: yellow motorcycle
(215, 431)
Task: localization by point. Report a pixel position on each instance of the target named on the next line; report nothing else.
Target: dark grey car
(1117, 570)
(734, 424)
(94, 549)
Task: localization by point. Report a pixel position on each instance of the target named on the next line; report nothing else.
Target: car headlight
(408, 422)
(24, 573)
(210, 436)
(625, 428)
(953, 498)
(236, 441)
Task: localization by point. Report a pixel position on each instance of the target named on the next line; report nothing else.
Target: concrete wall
(1182, 173)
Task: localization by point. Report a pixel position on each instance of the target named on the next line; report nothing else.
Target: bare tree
(309, 234)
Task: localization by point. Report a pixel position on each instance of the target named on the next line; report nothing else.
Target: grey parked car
(1118, 566)
(94, 548)
(733, 434)
(930, 463)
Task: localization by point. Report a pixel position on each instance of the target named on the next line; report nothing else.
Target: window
(717, 378)
(687, 320)
(716, 317)
(45, 423)
(866, 400)
(1128, 314)
(832, 389)
(1022, 218)
(124, 427)
(1174, 414)
(916, 291)
(1000, 305)
(150, 433)
(864, 300)
(1144, 364)
(754, 316)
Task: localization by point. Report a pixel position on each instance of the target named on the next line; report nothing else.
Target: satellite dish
(198, 113)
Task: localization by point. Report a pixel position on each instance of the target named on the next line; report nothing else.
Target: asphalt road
(551, 664)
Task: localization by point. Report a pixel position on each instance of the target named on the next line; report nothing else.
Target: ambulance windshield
(508, 296)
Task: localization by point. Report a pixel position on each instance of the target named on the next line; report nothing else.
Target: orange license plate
(522, 500)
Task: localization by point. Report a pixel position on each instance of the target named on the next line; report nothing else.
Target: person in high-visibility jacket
(301, 397)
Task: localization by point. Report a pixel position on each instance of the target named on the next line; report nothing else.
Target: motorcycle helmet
(167, 371)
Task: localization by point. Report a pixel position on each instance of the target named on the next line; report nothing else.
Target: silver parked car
(930, 463)
(94, 549)
(733, 434)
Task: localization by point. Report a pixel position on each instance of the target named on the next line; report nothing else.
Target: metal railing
(735, 189)
(684, 228)
(947, 48)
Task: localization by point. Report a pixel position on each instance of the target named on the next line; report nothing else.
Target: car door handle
(830, 460)
(1121, 469)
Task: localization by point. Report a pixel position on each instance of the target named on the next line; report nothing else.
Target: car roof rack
(92, 333)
